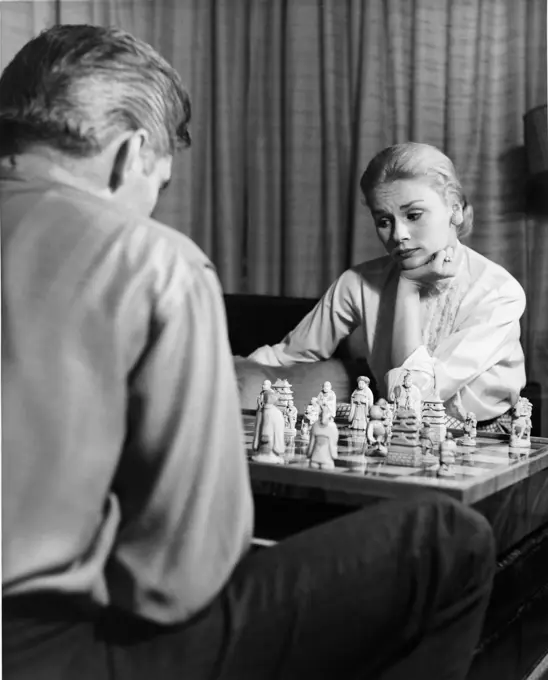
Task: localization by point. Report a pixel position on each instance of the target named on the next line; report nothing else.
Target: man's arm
(183, 483)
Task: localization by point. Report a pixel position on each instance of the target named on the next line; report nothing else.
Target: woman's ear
(457, 218)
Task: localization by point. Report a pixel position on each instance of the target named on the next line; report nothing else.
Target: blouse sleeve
(480, 367)
(317, 336)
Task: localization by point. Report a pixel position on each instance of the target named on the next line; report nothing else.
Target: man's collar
(39, 168)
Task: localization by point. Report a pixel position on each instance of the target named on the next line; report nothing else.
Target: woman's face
(412, 221)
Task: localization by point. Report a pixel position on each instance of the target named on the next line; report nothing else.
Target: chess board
(489, 467)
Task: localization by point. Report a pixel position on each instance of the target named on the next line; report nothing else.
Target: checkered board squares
(478, 471)
(343, 412)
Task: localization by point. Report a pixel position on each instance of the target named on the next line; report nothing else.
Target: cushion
(306, 379)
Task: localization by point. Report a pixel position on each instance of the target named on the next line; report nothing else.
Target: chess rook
(433, 413)
(405, 448)
(284, 392)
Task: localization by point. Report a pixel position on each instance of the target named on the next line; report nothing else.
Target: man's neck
(49, 165)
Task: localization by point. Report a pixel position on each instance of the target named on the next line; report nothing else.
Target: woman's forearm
(407, 335)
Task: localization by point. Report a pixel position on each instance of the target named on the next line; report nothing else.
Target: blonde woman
(431, 306)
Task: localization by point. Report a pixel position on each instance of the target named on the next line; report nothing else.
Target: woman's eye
(383, 224)
(414, 216)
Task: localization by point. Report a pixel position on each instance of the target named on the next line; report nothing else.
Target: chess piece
(388, 417)
(382, 403)
(328, 398)
(290, 417)
(310, 416)
(446, 471)
(284, 392)
(470, 431)
(405, 445)
(268, 440)
(433, 413)
(427, 445)
(405, 448)
(267, 387)
(322, 448)
(407, 396)
(426, 438)
(361, 401)
(376, 432)
(447, 450)
(520, 436)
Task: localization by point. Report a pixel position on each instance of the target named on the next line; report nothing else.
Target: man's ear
(128, 157)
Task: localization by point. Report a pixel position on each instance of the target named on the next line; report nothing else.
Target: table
(510, 490)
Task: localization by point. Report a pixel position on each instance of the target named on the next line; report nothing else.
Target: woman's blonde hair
(413, 160)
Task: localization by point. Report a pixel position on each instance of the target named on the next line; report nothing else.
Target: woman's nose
(400, 231)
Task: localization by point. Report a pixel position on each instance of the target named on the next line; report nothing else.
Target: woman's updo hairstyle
(412, 160)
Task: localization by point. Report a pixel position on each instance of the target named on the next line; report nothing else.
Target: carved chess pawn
(426, 438)
(520, 436)
(427, 445)
(290, 417)
(310, 416)
(445, 471)
(322, 448)
(328, 398)
(388, 417)
(376, 432)
(447, 450)
(470, 431)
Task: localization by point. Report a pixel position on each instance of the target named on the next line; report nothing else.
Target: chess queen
(432, 306)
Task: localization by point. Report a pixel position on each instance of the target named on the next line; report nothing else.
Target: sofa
(515, 635)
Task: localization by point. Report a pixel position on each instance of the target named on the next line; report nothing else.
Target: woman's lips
(404, 254)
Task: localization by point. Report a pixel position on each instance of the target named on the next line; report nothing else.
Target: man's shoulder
(178, 244)
(144, 243)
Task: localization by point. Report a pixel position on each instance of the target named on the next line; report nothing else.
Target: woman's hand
(439, 267)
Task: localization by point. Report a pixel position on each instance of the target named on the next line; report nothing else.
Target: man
(127, 510)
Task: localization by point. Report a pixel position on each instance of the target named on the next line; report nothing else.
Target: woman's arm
(407, 335)
(480, 366)
(317, 336)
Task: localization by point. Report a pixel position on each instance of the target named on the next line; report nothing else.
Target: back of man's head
(75, 87)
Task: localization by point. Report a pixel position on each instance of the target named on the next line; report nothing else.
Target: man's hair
(75, 87)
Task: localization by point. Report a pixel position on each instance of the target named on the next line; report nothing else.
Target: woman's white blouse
(471, 354)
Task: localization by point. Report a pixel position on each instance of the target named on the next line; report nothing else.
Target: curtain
(291, 99)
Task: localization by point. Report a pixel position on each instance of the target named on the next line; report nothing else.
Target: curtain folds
(291, 99)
